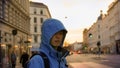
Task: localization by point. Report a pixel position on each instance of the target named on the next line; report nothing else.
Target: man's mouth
(57, 41)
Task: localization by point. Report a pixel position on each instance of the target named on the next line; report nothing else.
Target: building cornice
(39, 5)
(112, 5)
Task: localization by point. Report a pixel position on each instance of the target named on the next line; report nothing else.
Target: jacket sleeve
(36, 62)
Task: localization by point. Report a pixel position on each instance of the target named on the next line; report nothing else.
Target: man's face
(57, 38)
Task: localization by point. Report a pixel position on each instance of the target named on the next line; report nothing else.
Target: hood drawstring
(62, 52)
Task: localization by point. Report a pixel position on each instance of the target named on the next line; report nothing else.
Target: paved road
(18, 65)
(90, 61)
(93, 61)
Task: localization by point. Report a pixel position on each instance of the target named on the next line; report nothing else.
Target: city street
(82, 27)
(93, 61)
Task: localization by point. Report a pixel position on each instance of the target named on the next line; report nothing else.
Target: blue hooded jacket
(56, 57)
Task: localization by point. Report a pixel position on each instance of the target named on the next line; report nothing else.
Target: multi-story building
(106, 31)
(14, 26)
(38, 13)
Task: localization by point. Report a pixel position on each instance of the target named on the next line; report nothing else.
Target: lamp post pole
(99, 49)
(14, 32)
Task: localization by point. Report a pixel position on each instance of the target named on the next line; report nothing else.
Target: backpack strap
(45, 59)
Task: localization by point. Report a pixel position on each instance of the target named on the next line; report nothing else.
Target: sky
(76, 15)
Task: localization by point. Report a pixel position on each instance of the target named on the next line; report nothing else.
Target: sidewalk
(6, 64)
(18, 64)
(88, 65)
(94, 61)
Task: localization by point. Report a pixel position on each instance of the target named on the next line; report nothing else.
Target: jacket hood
(49, 28)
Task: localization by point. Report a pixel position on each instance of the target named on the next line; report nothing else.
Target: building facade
(105, 32)
(38, 13)
(14, 26)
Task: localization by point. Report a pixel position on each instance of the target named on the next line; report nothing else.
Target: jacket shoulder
(36, 62)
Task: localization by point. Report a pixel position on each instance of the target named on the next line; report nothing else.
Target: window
(35, 28)
(99, 36)
(98, 26)
(41, 19)
(34, 11)
(35, 19)
(41, 12)
(6, 40)
(35, 38)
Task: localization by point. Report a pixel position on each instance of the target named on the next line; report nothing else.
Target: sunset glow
(76, 14)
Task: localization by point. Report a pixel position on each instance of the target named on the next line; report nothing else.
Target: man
(13, 59)
(52, 38)
(24, 58)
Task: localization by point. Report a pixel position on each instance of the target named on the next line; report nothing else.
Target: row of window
(13, 16)
(35, 20)
(35, 11)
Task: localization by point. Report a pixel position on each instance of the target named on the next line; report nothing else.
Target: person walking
(23, 59)
(13, 59)
(52, 39)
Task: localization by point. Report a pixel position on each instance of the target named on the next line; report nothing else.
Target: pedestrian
(24, 58)
(13, 59)
(52, 38)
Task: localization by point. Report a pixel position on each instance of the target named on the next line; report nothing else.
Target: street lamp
(99, 49)
(27, 42)
(90, 35)
(14, 32)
